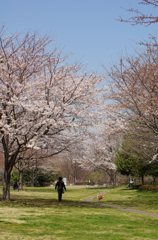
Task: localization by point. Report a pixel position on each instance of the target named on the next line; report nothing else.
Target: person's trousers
(60, 195)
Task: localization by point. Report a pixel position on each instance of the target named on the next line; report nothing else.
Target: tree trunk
(20, 180)
(142, 177)
(6, 185)
(112, 176)
(6, 174)
(154, 180)
(32, 178)
(35, 178)
(9, 162)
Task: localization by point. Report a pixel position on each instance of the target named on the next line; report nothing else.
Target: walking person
(60, 186)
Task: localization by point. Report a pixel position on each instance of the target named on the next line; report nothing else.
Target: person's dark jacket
(60, 185)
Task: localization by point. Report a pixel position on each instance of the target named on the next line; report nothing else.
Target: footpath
(89, 199)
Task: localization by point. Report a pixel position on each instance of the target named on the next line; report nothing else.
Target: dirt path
(89, 199)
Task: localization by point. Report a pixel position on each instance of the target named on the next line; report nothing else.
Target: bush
(15, 175)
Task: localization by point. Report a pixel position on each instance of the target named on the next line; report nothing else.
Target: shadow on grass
(39, 202)
(128, 189)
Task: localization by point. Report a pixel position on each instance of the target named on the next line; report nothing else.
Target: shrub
(148, 188)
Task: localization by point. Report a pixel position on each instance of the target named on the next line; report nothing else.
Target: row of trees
(45, 104)
(49, 107)
(34, 178)
(127, 141)
(134, 90)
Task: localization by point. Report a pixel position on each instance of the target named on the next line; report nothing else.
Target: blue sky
(86, 28)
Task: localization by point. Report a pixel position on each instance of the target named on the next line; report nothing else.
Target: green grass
(35, 214)
(133, 198)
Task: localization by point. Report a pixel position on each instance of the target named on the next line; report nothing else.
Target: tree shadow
(129, 189)
(39, 202)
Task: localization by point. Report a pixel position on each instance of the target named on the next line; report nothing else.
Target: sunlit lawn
(132, 198)
(35, 214)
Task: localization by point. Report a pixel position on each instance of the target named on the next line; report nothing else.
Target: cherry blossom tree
(141, 140)
(140, 17)
(100, 153)
(134, 88)
(70, 167)
(44, 102)
(133, 93)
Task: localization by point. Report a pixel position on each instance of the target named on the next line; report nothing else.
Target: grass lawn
(132, 198)
(35, 214)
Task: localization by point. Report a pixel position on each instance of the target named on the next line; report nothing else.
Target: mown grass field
(132, 198)
(35, 213)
